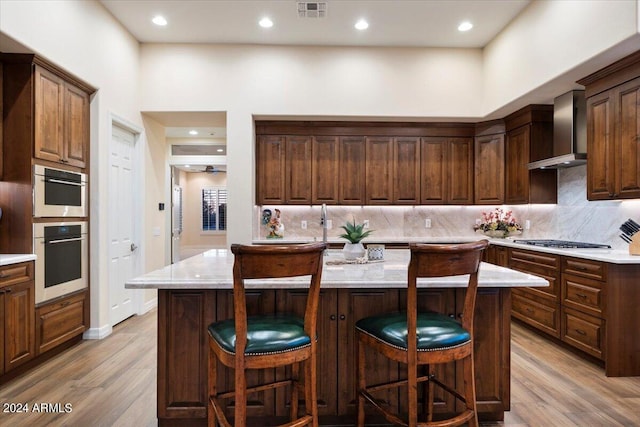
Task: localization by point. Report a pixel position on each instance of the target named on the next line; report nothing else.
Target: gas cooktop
(562, 244)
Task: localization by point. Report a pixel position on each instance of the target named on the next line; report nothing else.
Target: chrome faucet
(324, 223)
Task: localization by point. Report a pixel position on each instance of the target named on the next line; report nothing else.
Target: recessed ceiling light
(266, 22)
(187, 166)
(361, 25)
(465, 26)
(159, 20)
(220, 150)
(193, 132)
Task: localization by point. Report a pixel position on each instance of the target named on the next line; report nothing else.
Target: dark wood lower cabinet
(183, 317)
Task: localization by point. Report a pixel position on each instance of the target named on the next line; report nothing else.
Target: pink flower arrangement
(498, 220)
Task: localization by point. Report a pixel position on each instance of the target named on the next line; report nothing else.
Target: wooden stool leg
(412, 390)
(430, 392)
(295, 387)
(213, 378)
(310, 388)
(362, 384)
(470, 389)
(241, 394)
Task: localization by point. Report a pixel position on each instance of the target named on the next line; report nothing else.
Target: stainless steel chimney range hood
(569, 132)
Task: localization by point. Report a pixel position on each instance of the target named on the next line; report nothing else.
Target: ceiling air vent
(312, 9)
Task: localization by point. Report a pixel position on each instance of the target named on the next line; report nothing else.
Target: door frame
(139, 305)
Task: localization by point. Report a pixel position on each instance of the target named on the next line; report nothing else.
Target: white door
(176, 222)
(122, 251)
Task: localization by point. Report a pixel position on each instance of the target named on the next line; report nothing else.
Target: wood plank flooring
(112, 382)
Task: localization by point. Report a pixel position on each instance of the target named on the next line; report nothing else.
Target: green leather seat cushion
(265, 334)
(435, 331)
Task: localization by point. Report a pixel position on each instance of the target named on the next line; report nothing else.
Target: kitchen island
(198, 291)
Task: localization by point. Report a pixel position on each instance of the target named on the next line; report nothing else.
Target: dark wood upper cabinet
(270, 170)
(351, 188)
(298, 170)
(379, 170)
(325, 169)
(61, 120)
(446, 170)
(529, 138)
(613, 130)
(406, 163)
(489, 169)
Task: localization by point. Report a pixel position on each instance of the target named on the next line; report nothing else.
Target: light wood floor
(111, 382)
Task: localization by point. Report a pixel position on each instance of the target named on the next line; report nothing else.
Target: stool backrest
(428, 260)
(274, 261)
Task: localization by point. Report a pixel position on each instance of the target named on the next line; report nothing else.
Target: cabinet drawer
(583, 332)
(541, 316)
(583, 294)
(535, 259)
(585, 268)
(16, 273)
(59, 321)
(550, 293)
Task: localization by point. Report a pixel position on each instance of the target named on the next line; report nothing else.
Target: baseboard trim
(148, 306)
(97, 333)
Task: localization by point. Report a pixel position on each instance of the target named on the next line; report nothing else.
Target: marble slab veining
(213, 270)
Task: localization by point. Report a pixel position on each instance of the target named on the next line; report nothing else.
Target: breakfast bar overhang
(197, 291)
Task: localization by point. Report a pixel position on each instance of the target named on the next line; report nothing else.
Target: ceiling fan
(213, 169)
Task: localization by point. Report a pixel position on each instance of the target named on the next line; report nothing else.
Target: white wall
(192, 234)
(550, 45)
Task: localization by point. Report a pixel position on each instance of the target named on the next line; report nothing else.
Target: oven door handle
(64, 240)
(60, 181)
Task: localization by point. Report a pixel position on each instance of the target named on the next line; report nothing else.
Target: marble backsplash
(573, 218)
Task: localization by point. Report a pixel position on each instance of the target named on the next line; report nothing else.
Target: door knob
(133, 247)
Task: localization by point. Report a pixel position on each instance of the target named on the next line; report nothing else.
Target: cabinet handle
(583, 296)
(580, 331)
(66, 303)
(342, 317)
(332, 317)
(529, 310)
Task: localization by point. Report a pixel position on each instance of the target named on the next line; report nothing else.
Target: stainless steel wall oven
(62, 258)
(59, 193)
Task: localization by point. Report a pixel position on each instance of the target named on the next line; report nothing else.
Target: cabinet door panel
(76, 126)
(379, 170)
(352, 171)
(298, 170)
(461, 171)
(406, 159)
(600, 140)
(325, 169)
(294, 301)
(271, 170)
(628, 139)
(353, 305)
(492, 355)
(433, 183)
(19, 345)
(489, 170)
(49, 111)
(183, 317)
(517, 173)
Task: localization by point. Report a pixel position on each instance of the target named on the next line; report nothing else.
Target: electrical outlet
(365, 223)
(427, 223)
(303, 225)
(527, 225)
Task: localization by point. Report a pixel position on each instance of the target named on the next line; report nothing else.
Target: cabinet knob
(342, 317)
(332, 317)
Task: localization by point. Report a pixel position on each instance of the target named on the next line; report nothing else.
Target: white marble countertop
(213, 270)
(8, 259)
(614, 256)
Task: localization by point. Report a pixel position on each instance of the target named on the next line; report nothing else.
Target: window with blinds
(214, 209)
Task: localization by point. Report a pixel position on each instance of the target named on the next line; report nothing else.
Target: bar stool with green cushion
(268, 341)
(425, 338)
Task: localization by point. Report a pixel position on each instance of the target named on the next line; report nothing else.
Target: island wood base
(183, 317)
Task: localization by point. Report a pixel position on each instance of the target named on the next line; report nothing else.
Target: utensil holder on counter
(634, 246)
